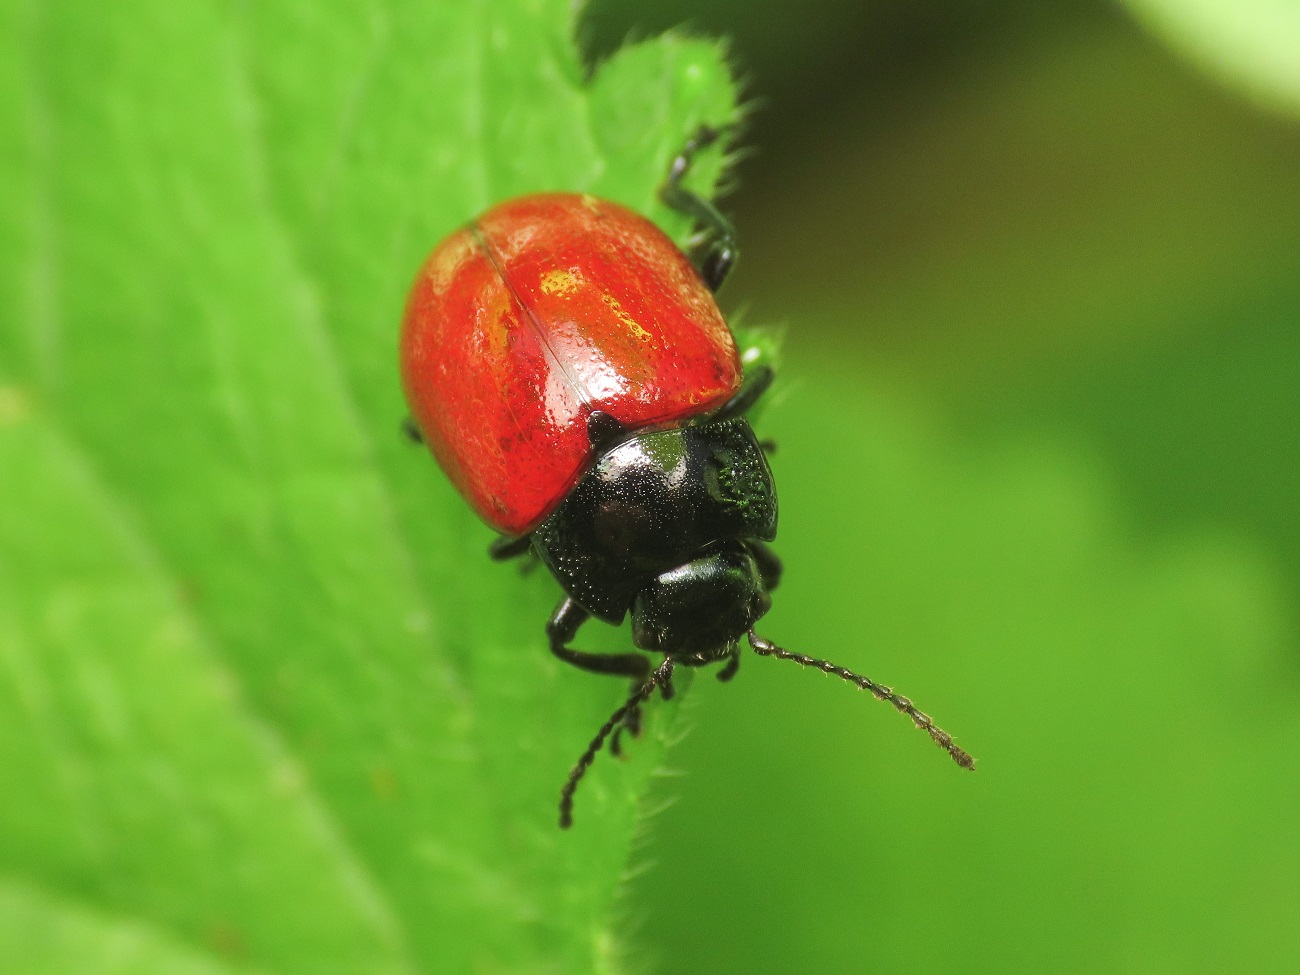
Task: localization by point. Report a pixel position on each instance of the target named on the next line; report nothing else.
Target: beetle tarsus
(632, 725)
(732, 665)
(717, 252)
(505, 548)
(661, 677)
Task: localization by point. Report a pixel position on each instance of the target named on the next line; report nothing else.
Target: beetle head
(697, 611)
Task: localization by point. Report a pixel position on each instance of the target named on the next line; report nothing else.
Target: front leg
(563, 627)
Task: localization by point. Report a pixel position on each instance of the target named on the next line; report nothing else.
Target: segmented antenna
(766, 648)
(662, 677)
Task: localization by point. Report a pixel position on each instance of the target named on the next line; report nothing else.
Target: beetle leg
(410, 431)
(733, 665)
(505, 548)
(631, 724)
(563, 627)
(632, 720)
(743, 401)
(662, 674)
(717, 254)
(768, 562)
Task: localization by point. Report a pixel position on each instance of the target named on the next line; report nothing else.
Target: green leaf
(1254, 45)
(40, 934)
(261, 697)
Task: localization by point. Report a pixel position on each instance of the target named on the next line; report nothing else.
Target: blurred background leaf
(1250, 43)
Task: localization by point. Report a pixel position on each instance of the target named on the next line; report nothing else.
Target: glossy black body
(664, 526)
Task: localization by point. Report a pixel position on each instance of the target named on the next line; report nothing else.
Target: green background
(264, 706)
(1039, 467)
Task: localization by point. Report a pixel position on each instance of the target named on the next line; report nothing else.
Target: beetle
(571, 372)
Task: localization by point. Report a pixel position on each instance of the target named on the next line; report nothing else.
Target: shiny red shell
(542, 310)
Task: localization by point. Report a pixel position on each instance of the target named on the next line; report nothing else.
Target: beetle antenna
(662, 677)
(766, 648)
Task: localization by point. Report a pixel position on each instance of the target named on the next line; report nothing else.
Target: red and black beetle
(571, 372)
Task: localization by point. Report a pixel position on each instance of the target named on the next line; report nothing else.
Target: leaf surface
(263, 699)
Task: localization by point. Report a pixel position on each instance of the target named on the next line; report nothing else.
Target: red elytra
(542, 310)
